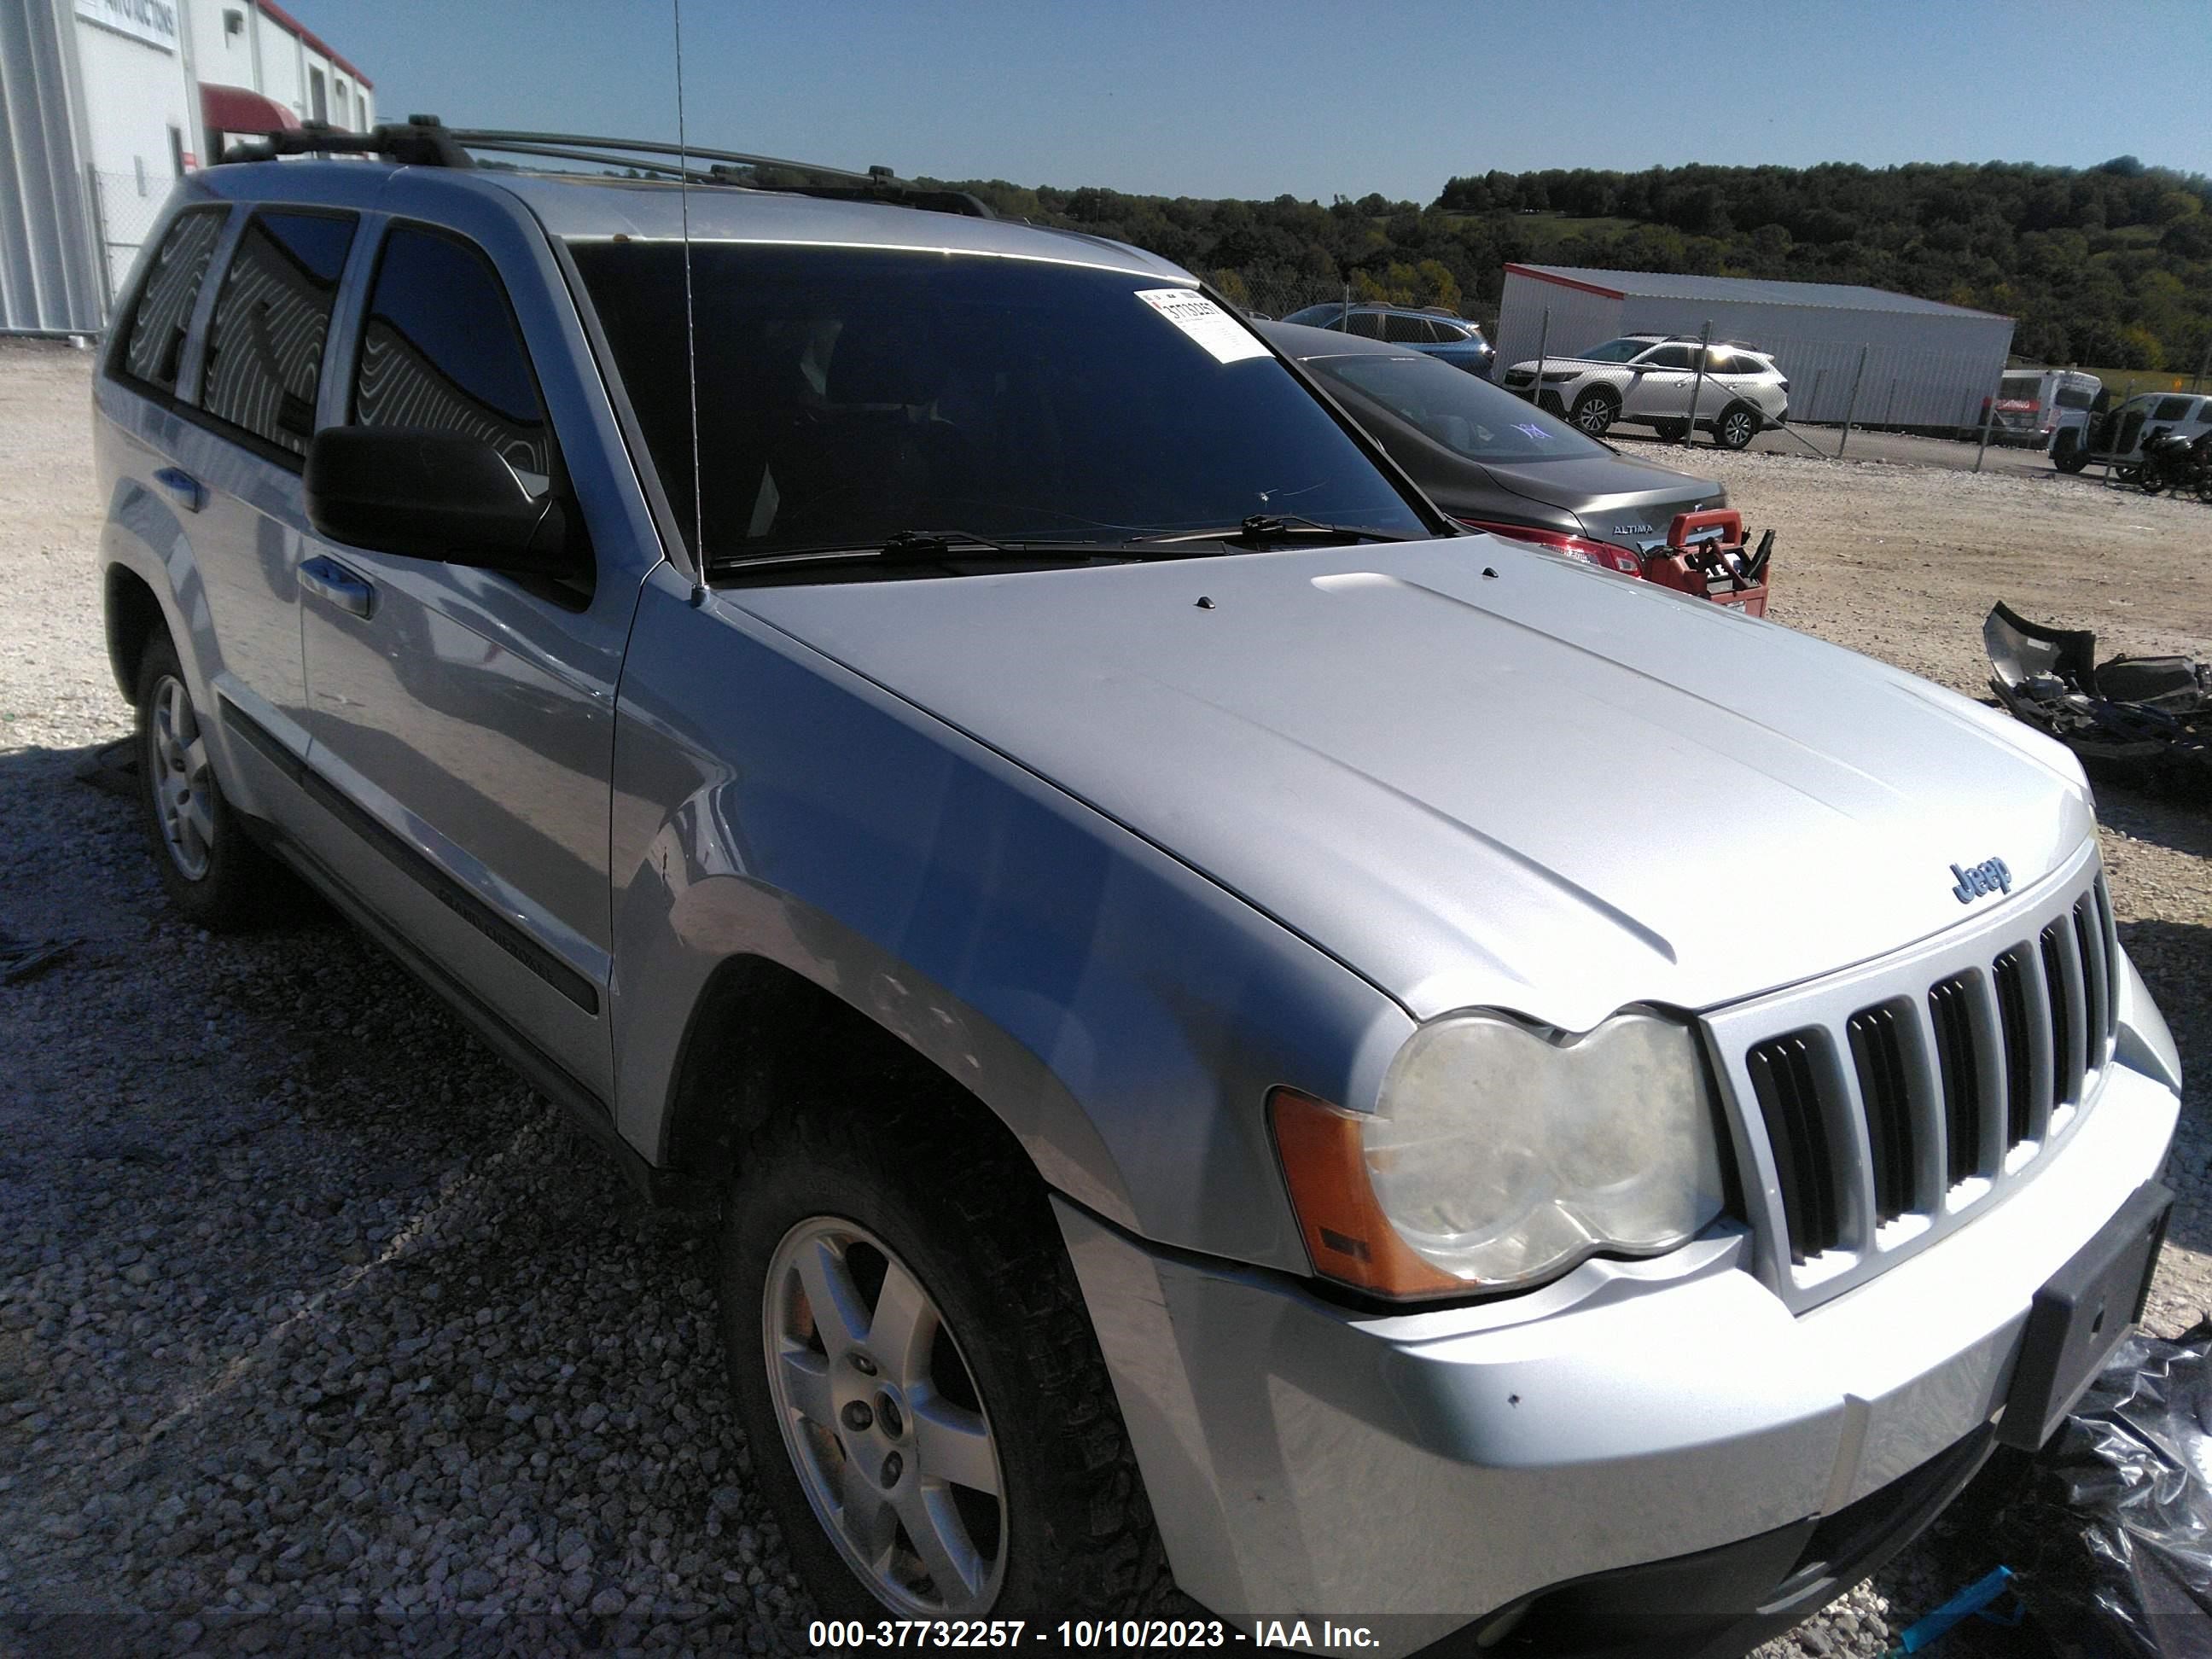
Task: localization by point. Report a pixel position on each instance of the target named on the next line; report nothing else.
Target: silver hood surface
(1549, 790)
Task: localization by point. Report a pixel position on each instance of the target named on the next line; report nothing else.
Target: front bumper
(1430, 1469)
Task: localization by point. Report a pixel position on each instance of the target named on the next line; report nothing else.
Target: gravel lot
(319, 1332)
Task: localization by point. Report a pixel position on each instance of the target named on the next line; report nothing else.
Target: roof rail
(425, 141)
(420, 141)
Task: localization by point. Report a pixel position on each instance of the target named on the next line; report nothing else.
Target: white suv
(1652, 379)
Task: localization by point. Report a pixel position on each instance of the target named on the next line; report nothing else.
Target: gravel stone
(318, 1328)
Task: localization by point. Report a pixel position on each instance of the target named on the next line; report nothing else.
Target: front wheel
(928, 1408)
(1595, 412)
(1736, 427)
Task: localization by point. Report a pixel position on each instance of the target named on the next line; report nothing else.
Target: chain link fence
(126, 205)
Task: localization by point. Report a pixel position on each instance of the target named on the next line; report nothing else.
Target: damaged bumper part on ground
(2150, 714)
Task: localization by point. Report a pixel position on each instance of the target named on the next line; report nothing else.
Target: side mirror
(426, 493)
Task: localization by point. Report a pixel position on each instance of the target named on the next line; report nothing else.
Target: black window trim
(197, 414)
(118, 357)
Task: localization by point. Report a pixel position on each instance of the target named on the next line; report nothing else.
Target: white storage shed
(1916, 362)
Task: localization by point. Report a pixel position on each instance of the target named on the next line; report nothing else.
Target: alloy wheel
(184, 789)
(883, 1421)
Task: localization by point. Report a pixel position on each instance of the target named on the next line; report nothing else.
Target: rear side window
(440, 347)
(2171, 408)
(265, 347)
(155, 344)
(1407, 331)
(1367, 325)
(2074, 397)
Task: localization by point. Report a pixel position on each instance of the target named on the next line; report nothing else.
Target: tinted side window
(1405, 331)
(265, 347)
(1673, 356)
(1367, 325)
(2171, 408)
(156, 343)
(2074, 397)
(440, 347)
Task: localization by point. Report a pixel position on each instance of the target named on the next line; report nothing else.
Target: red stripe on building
(284, 20)
(1567, 282)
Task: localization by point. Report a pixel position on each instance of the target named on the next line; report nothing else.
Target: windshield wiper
(941, 546)
(1265, 527)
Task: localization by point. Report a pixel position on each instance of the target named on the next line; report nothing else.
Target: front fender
(1122, 1015)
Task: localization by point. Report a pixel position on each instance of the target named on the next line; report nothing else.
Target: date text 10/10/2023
(1081, 1634)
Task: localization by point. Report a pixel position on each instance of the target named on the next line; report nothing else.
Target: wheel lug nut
(858, 1417)
(862, 1363)
(893, 1466)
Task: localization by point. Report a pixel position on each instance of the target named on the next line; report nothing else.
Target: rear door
(463, 718)
(241, 457)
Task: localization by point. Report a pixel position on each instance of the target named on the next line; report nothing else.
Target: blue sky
(1238, 98)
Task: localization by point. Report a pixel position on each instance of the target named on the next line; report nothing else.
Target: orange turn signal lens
(1348, 1238)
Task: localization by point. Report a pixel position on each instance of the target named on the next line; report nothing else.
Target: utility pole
(1850, 407)
(1989, 413)
(1697, 387)
(1543, 344)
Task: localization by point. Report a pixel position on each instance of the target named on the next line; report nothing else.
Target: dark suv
(1438, 333)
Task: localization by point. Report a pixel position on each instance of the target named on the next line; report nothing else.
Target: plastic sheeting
(2112, 1538)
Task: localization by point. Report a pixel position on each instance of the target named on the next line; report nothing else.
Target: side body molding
(1123, 1016)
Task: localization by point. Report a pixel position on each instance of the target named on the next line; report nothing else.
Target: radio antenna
(690, 327)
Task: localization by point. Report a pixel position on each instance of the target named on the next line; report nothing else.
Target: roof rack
(425, 141)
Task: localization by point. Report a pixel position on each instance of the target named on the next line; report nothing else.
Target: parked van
(2034, 405)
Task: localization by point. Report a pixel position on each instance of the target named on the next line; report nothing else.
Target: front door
(1660, 388)
(463, 719)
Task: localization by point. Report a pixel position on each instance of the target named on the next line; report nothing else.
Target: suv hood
(1549, 790)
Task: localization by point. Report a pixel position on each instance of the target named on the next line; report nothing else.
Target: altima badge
(1990, 876)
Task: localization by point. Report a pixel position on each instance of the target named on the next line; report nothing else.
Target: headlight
(1497, 1157)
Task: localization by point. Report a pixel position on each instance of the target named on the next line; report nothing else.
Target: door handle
(183, 489)
(332, 580)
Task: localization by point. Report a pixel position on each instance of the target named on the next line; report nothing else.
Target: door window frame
(357, 327)
(197, 411)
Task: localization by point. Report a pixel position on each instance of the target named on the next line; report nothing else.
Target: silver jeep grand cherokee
(1254, 1049)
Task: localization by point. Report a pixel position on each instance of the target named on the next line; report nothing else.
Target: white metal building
(1914, 362)
(104, 104)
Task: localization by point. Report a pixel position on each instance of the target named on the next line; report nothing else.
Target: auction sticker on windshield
(1205, 322)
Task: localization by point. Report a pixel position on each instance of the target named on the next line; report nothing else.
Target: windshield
(1467, 415)
(847, 395)
(1614, 351)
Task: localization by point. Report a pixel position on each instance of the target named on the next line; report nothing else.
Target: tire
(1738, 425)
(957, 1231)
(1672, 432)
(2071, 460)
(1596, 411)
(212, 871)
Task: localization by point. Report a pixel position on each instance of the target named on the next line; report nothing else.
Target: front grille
(1908, 1101)
(1959, 1077)
(1878, 1056)
(1782, 1072)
